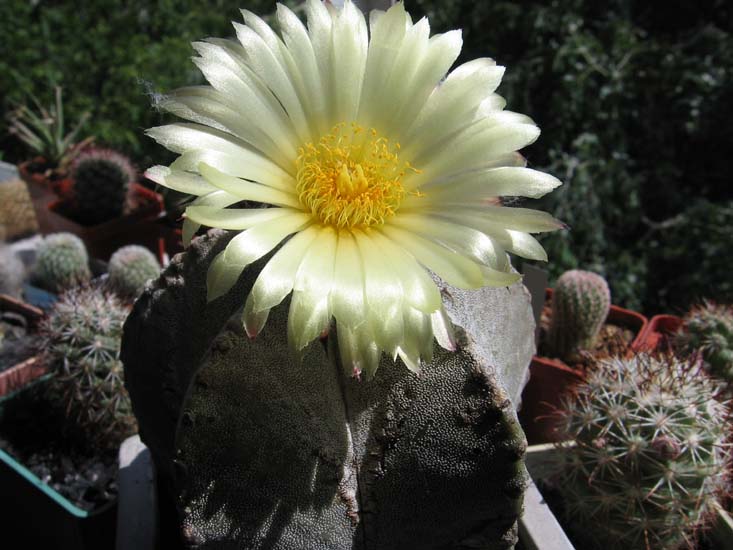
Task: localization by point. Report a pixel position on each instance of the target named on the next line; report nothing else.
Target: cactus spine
(12, 273)
(81, 339)
(580, 305)
(102, 178)
(130, 268)
(62, 262)
(709, 329)
(650, 456)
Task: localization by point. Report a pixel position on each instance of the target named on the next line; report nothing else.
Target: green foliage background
(634, 100)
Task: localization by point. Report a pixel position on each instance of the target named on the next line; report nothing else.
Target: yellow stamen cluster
(351, 177)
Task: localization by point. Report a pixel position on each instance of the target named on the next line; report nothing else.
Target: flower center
(351, 177)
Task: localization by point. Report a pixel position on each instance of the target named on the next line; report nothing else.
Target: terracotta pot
(657, 332)
(16, 377)
(40, 187)
(136, 227)
(550, 379)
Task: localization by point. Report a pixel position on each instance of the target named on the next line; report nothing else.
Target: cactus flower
(377, 164)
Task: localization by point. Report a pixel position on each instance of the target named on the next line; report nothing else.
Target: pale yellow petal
(472, 150)
(249, 167)
(450, 266)
(443, 49)
(247, 190)
(178, 180)
(347, 294)
(387, 34)
(488, 218)
(277, 278)
(300, 46)
(350, 40)
(309, 316)
(234, 218)
(443, 330)
(267, 65)
(217, 199)
(207, 106)
(247, 247)
(418, 288)
(383, 292)
(485, 184)
(465, 240)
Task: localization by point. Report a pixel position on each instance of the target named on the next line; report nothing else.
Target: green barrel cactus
(130, 268)
(262, 450)
(102, 178)
(12, 272)
(708, 329)
(81, 344)
(580, 304)
(645, 455)
(62, 262)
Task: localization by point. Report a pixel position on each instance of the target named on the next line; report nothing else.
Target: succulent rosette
(376, 163)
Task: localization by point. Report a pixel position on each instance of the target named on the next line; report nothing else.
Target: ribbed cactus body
(12, 273)
(708, 328)
(580, 305)
(649, 456)
(62, 262)
(130, 268)
(328, 462)
(102, 178)
(81, 340)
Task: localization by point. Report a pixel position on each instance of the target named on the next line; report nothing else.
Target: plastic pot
(36, 514)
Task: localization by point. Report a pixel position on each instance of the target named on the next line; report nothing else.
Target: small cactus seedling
(708, 328)
(102, 178)
(130, 268)
(580, 305)
(81, 341)
(648, 454)
(62, 262)
(12, 273)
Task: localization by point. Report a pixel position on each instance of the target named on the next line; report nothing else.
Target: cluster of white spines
(648, 453)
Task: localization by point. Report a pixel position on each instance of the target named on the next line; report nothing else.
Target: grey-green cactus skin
(130, 268)
(62, 262)
(12, 272)
(269, 453)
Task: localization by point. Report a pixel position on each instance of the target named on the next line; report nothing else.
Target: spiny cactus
(130, 268)
(102, 178)
(12, 272)
(81, 342)
(17, 217)
(649, 457)
(708, 328)
(580, 305)
(62, 262)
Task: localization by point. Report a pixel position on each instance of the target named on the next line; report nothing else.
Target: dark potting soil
(32, 431)
(16, 345)
(613, 341)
